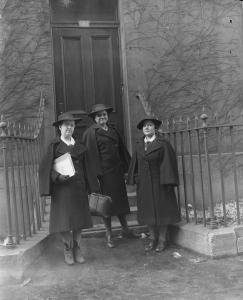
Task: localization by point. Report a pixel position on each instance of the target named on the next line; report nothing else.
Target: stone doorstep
(99, 229)
(130, 217)
(214, 243)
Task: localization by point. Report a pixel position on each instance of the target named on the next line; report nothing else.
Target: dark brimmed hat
(67, 116)
(156, 122)
(99, 107)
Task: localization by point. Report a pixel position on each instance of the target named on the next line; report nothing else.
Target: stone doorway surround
(124, 77)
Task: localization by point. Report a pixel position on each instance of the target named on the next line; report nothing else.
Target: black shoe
(151, 246)
(109, 242)
(161, 246)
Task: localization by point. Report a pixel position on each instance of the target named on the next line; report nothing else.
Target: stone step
(99, 229)
(132, 198)
(130, 217)
(98, 226)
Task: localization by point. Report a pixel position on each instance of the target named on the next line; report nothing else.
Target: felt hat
(66, 116)
(156, 122)
(99, 107)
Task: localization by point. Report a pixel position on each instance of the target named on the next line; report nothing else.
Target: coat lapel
(140, 146)
(108, 134)
(78, 149)
(155, 145)
(75, 150)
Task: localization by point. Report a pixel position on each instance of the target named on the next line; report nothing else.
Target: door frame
(123, 67)
(125, 92)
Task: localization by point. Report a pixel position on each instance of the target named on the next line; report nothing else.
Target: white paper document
(64, 165)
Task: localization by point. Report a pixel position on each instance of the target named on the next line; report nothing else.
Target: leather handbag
(100, 205)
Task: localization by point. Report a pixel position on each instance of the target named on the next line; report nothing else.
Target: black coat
(109, 160)
(156, 174)
(69, 200)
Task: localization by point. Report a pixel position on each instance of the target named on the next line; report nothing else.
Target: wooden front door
(87, 71)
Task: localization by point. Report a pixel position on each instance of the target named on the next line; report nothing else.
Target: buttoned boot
(77, 251)
(67, 239)
(68, 254)
(109, 241)
(78, 255)
(154, 234)
(162, 243)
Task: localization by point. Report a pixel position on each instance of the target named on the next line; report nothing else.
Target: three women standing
(109, 160)
(154, 169)
(100, 167)
(69, 195)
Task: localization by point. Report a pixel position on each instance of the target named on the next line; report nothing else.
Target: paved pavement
(126, 272)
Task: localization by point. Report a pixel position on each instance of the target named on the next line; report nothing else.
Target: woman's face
(101, 117)
(67, 129)
(148, 128)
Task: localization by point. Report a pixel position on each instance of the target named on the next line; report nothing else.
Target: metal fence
(210, 166)
(22, 209)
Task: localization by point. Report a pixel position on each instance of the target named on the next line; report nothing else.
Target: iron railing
(210, 166)
(23, 209)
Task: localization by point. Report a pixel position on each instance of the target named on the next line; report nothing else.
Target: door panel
(103, 64)
(87, 70)
(72, 70)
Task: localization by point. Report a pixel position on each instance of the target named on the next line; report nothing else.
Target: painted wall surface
(25, 59)
(25, 69)
(183, 55)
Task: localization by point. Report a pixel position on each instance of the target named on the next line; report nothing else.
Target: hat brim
(93, 113)
(57, 123)
(156, 122)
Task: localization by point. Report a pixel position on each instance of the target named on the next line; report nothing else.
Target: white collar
(71, 142)
(150, 140)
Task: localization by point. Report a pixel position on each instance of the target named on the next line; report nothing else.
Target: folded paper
(64, 165)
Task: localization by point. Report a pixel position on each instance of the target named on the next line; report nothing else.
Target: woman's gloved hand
(62, 178)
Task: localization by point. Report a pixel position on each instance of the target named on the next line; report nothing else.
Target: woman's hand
(62, 178)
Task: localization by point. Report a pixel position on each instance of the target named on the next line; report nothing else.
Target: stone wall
(26, 63)
(183, 55)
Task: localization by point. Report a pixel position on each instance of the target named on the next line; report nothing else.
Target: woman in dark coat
(69, 200)
(109, 159)
(154, 169)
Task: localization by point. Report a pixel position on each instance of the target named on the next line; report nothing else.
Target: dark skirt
(69, 208)
(113, 185)
(160, 208)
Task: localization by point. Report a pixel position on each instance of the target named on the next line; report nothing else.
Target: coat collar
(78, 147)
(155, 145)
(105, 133)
